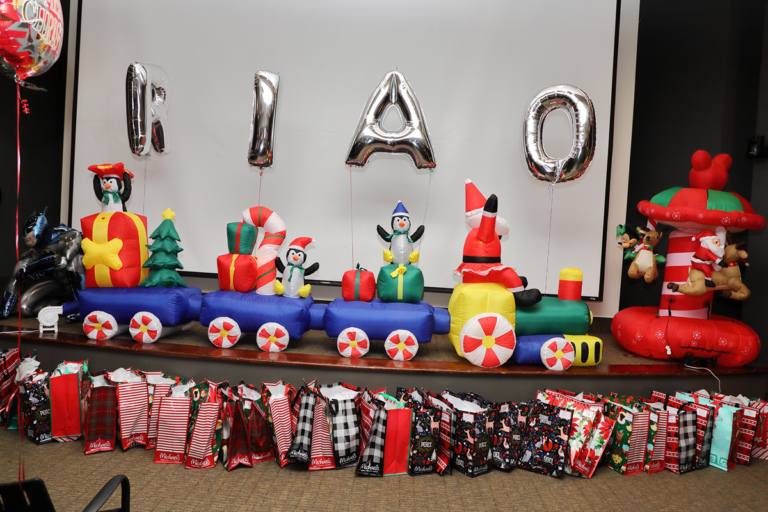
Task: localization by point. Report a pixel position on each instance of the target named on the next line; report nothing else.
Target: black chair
(33, 496)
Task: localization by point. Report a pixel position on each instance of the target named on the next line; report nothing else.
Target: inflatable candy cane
(274, 236)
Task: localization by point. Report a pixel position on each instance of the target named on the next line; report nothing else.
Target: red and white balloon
(31, 36)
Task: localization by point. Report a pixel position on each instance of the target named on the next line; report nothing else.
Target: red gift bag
(132, 407)
(203, 448)
(259, 438)
(65, 385)
(760, 442)
(277, 399)
(8, 361)
(172, 427)
(100, 425)
(359, 284)
(158, 386)
(447, 422)
(237, 449)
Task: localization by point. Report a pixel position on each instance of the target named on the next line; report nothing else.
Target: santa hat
(115, 170)
(400, 210)
(301, 243)
(704, 236)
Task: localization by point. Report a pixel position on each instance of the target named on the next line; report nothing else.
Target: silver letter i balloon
(579, 108)
(147, 95)
(262, 146)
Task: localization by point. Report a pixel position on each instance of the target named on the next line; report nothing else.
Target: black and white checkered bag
(371, 462)
(686, 439)
(302, 440)
(345, 425)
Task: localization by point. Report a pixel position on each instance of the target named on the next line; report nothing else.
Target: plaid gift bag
(259, 437)
(371, 462)
(446, 434)
(8, 361)
(100, 423)
(132, 407)
(158, 385)
(204, 426)
(472, 439)
(304, 407)
(626, 449)
(705, 426)
(681, 436)
(546, 439)
(341, 400)
(236, 450)
(173, 411)
(277, 399)
(34, 399)
(386, 451)
(66, 388)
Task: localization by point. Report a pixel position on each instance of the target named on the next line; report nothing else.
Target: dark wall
(41, 141)
(697, 86)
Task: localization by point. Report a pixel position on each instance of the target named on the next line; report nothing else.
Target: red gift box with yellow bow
(114, 249)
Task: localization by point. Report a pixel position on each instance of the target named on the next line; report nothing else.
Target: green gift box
(400, 283)
(241, 237)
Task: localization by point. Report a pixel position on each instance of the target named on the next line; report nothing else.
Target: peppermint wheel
(272, 337)
(145, 327)
(99, 325)
(353, 342)
(223, 332)
(487, 340)
(557, 354)
(401, 345)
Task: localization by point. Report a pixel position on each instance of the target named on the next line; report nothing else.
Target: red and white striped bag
(321, 450)
(277, 399)
(132, 407)
(173, 424)
(158, 386)
(760, 442)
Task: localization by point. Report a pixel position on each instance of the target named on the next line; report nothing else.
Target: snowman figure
(400, 242)
(112, 185)
(292, 284)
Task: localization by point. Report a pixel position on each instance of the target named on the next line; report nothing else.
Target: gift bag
(655, 453)
(100, 423)
(546, 439)
(34, 399)
(259, 437)
(66, 385)
(173, 411)
(158, 385)
(747, 426)
(760, 441)
(681, 435)
(705, 425)
(425, 432)
(277, 399)
(589, 455)
(304, 407)
(446, 433)
(358, 284)
(626, 450)
(472, 440)
(8, 361)
(507, 437)
(341, 400)
(204, 426)
(386, 450)
(132, 407)
(236, 450)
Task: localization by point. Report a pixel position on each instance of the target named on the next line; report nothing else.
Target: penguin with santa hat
(112, 185)
(400, 241)
(481, 262)
(293, 272)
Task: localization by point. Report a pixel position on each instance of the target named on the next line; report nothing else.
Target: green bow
(403, 233)
(110, 196)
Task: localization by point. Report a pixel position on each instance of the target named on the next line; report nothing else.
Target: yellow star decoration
(169, 214)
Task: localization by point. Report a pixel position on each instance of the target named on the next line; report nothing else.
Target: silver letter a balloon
(262, 146)
(413, 138)
(579, 108)
(147, 97)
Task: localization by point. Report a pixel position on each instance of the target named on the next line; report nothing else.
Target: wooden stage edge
(318, 361)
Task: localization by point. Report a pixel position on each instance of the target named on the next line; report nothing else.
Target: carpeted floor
(73, 478)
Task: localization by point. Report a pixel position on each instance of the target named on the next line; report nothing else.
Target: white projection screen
(474, 67)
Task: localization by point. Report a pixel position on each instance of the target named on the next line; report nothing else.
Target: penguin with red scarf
(112, 186)
(481, 262)
(292, 283)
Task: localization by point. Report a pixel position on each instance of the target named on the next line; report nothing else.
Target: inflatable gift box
(114, 249)
(400, 283)
(238, 269)
(358, 284)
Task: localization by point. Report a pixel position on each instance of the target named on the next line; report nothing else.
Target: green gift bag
(723, 453)
(400, 283)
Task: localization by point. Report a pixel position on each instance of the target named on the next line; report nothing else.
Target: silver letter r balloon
(413, 138)
(262, 145)
(147, 98)
(579, 108)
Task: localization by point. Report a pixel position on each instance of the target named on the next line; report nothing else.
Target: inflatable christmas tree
(163, 262)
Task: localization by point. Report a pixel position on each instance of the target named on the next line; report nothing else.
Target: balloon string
(144, 199)
(351, 218)
(426, 204)
(549, 233)
(261, 176)
(19, 416)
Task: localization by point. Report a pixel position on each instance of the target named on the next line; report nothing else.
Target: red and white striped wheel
(224, 332)
(401, 345)
(487, 340)
(557, 354)
(353, 342)
(272, 337)
(145, 327)
(99, 325)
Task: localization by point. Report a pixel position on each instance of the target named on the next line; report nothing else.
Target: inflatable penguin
(400, 242)
(112, 185)
(482, 260)
(292, 284)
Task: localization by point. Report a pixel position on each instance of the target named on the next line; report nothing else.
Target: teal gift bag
(727, 419)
